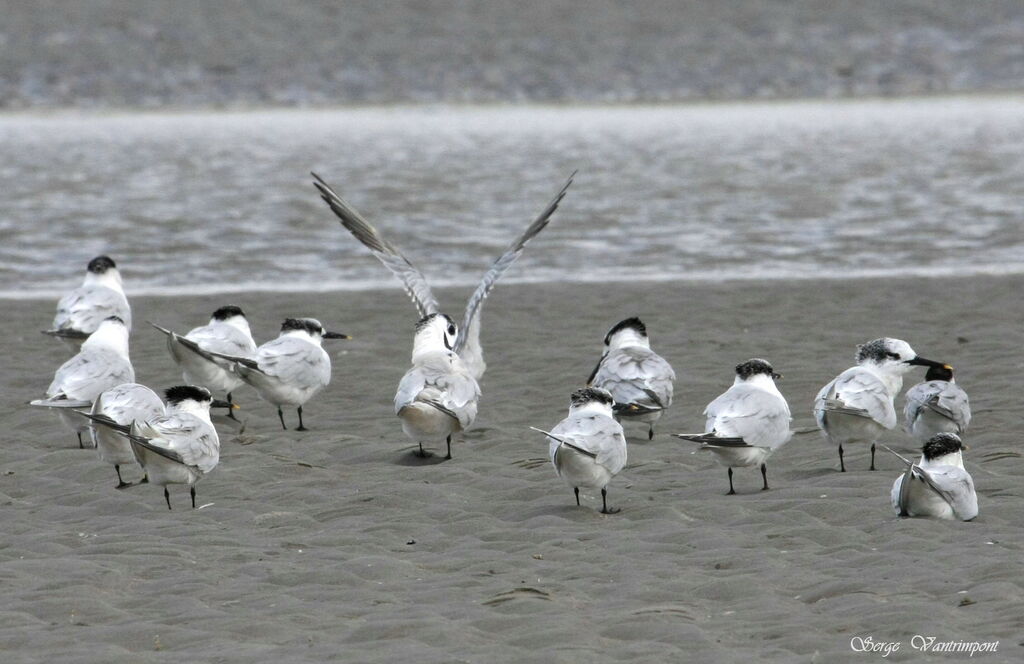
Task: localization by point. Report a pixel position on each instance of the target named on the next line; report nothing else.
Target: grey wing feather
(84, 308)
(636, 376)
(759, 418)
(184, 436)
(294, 361)
(596, 434)
(956, 486)
(441, 378)
(505, 261)
(89, 373)
(857, 391)
(941, 397)
(415, 283)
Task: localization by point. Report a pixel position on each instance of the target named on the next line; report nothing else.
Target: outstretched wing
(415, 283)
(504, 262)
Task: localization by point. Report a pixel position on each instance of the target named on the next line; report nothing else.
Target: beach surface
(337, 544)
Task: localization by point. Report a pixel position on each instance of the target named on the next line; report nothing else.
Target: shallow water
(223, 201)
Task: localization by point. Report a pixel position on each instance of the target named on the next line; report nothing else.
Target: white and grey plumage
(857, 406)
(468, 344)
(102, 363)
(747, 422)
(181, 446)
(227, 333)
(639, 379)
(938, 405)
(101, 295)
(438, 395)
(938, 485)
(588, 447)
(121, 405)
(289, 370)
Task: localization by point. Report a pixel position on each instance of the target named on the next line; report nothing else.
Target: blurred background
(744, 139)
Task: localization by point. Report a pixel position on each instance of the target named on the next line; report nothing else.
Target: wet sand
(338, 545)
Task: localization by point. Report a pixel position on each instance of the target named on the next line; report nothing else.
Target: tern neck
(760, 381)
(192, 407)
(591, 407)
(300, 334)
(953, 459)
(110, 279)
(628, 337)
(426, 342)
(238, 322)
(891, 375)
(109, 335)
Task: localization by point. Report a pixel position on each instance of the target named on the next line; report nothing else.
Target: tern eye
(451, 330)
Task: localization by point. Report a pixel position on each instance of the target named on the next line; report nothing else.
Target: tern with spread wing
(857, 405)
(227, 333)
(101, 295)
(289, 370)
(937, 486)
(638, 379)
(938, 405)
(468, 343)
(588, 447)
(102, 363)
(748, 422)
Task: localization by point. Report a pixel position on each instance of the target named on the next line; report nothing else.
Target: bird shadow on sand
(412, 457)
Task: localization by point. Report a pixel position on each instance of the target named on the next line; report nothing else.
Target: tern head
(102, 270)
(111, 333)
(309, 327)
(892, 355)
(945, 372)
(629, 332)
(193, 398)
(592, 398)
(227, 312)
(940, 446)
(754, 370)
(435, 332)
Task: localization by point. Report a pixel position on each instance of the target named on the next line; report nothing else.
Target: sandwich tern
(100, 296)
(228, 333)
(288, 370)
(468, 342)
(638, 379)
(121, 405)
(937, 485)
(937, 405)
(178, 447)
(857, 405)
(588, 447)
(438, 396)
(748, 422)
(101, 363)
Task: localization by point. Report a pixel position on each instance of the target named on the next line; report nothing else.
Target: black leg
(145, 479)
(192, 491)
(120, 482)
(167, 497)
(764, 476)
(650, 433)
(281, 416)
(231, 411)
(422, 452)
(80, 445)
(449, 455)
(604, 503)
(842, 466)
(731, 490)
(301, 428)
(872, 457)
(576, 490)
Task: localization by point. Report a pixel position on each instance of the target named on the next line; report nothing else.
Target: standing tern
(438, 396)
(588, 447)
(937, 405)
(290, 369)
(102, 363)
(101, 295)
(638, 379)
(857, 406)
(468, 342)
(748, 422)
(121, 405)
(937, 485)
(179, 447)
(227, 333)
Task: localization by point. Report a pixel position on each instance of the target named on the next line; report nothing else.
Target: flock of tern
(174, 440)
